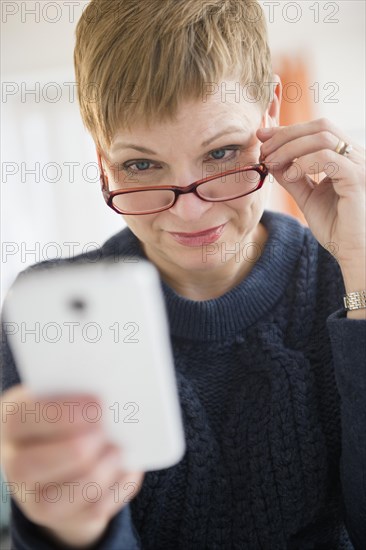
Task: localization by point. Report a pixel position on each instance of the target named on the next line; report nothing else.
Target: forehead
(223, 104)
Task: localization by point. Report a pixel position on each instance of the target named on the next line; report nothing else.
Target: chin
(202, 258)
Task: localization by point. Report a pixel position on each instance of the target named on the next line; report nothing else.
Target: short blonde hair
(136, 60)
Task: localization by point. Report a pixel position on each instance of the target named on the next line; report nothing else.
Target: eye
(218, 154)
(141, 165)
(144, 165)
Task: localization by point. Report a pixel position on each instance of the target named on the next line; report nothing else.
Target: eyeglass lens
(222, 188)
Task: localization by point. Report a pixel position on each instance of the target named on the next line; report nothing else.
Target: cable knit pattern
(260, 396)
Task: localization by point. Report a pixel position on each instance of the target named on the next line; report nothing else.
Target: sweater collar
(240, 307)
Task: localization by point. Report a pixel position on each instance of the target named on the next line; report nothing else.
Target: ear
(271, 116)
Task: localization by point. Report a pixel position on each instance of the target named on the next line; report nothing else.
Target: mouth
(196, 233)
(198, 238)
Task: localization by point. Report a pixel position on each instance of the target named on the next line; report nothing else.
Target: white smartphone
(102, 328)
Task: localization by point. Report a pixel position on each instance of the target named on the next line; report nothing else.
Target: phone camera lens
(78, 304)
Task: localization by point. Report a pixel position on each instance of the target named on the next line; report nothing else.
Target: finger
(299, 186)
(303, 146)
(99, 495)
(53, 460)
(96, 514)
(289, 133)
(298, 178)
(79, 497)
(25, 417)
(266, 133)
(335, 166)
(117, 489)
(118, 493)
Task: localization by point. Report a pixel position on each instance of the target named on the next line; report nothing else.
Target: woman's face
(179, 156)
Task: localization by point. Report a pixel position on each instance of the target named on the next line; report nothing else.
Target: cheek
(144, 227)
(245, 205)
(248, 211)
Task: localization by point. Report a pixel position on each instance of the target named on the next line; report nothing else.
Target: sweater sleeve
(348, 341)
(26, 535)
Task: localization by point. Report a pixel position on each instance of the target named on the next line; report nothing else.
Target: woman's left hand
(335, 207)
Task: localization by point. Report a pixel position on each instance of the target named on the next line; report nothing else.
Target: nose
(190, 207)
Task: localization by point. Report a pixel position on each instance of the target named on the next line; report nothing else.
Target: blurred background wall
(51, 200)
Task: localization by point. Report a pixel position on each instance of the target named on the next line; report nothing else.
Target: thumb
(296, 183)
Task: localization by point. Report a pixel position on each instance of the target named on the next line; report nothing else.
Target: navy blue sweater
(272, 386)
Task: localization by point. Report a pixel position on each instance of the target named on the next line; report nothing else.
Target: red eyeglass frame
(177, 190)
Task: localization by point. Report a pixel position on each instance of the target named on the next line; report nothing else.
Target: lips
(197, 233)
(199, 238)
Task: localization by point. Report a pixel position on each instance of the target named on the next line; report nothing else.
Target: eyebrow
(230, 130)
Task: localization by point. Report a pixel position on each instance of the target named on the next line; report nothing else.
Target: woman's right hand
(57, 468)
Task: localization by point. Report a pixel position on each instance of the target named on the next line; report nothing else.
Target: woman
(269, 363)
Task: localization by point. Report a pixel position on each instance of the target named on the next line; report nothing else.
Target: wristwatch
(355, 300)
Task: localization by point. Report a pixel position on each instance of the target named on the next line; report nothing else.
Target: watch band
(355, 300)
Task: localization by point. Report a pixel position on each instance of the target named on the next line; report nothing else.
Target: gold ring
(343, 148)
(340, 146)
(346, 149)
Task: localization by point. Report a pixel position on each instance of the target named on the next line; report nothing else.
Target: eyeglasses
(229, 185)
